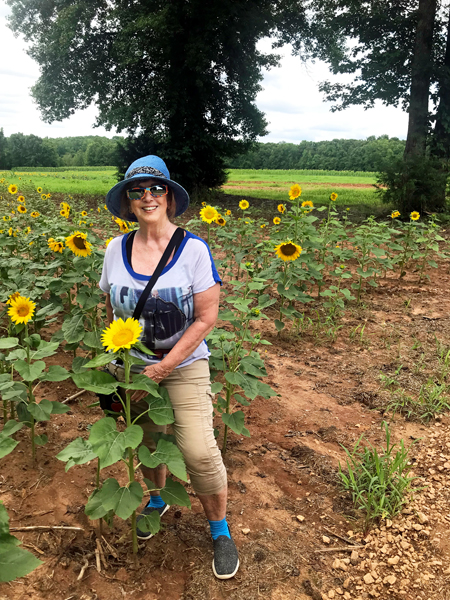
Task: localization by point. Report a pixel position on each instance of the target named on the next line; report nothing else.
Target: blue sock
(219, 528)
(156, 502)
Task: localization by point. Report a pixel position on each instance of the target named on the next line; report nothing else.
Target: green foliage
(337, 155)
(378, 480)
(14, 561)
(414, 184)
(202, 73)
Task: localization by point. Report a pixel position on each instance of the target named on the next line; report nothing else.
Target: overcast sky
(290, 99)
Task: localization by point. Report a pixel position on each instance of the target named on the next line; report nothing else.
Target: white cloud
(296, 111)
(290, 98)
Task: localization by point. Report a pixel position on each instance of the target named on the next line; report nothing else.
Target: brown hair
(125, 206)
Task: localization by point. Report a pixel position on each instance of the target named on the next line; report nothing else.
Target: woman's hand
(157, 373)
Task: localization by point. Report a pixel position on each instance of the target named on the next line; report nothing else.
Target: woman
(180, 311)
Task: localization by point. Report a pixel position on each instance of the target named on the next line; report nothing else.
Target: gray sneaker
(226, 559)
(146, 535)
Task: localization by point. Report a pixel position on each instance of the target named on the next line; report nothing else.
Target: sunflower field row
(272, 266)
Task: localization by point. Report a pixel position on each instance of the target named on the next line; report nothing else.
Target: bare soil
(283, 480)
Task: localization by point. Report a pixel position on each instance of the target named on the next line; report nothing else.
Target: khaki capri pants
(189, 391)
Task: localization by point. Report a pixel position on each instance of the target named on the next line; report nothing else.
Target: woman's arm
(206, 308)
(109, 311)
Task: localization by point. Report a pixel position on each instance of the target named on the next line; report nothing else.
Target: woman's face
(149, 209)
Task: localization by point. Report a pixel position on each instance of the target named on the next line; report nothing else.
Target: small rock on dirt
(368, 578)
(246, 531)
(300, 518)
(325, 539)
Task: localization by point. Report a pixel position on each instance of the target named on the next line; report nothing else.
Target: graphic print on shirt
(166, 315)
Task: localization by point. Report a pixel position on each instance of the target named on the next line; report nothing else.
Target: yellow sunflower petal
(121, 334)
(21, 310)
(288, 251)
(77, 242)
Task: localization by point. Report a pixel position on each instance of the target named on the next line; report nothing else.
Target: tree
(181, 75)
(4, 163)
(396, 51)
(31, 151)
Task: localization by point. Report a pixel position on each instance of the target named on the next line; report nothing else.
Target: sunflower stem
(127, 368)
(282, 295)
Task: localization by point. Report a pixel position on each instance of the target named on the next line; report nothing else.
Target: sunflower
(395, 214)
(108, 240)
(121, 334)
(77, 242)
(243, 204)
(228, 213)
(263, 225)
(6, 218)
(333, 197)
(203, 203)
(80, 223)
(13, 297)
(98, 209)
(105, 207)
(281, 208)
(308, 204)
(21, 199)
(276, 220)
(208, 214)
(64, 213)
(57, 247)
(21, 310)
(295, 191)
(414, 215)
(220, 221)
(10, 231)
(83, 213)
(12, 188)
(21, 209)
(35, 214)
(39, 190)
(288, 251)
(122, 225)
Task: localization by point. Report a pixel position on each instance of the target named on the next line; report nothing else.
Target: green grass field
(354, 189)
(91, 183)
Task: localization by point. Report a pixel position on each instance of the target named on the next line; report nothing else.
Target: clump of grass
(378, 480)
(431, 401)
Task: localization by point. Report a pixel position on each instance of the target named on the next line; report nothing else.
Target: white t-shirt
(169, 310)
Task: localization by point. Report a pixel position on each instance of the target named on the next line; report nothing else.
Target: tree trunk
(440, 143)
(441, 137)
(420, 81)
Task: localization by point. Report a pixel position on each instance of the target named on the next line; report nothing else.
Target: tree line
(371, 154)
(19, 150)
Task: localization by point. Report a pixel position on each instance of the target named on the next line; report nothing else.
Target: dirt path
(282, 480)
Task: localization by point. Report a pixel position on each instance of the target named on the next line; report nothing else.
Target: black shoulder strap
(129, 245)
(175, 242)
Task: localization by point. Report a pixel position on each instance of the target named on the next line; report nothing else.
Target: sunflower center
(23, 310)
(209, 214)
(288, 249)
(79, 242)
(122, 337)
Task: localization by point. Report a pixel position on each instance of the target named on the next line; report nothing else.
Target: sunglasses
(156, 191)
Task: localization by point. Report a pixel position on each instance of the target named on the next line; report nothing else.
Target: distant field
(353, 188)
(87, 182)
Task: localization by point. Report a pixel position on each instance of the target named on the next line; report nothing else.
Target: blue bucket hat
(147, 167)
